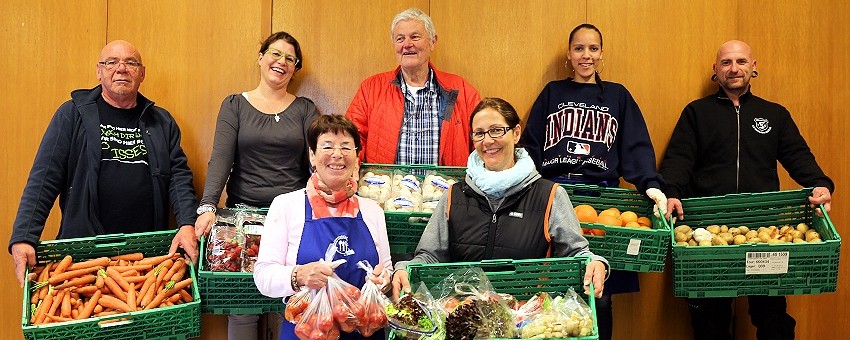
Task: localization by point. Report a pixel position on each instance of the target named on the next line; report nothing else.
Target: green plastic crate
(720, 271)
(174, 322)
(520, 278)
(614, 245)
(404, 229)
(232, 292)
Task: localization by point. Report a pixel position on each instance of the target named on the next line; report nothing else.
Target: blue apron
(619, 281)
(353, 242)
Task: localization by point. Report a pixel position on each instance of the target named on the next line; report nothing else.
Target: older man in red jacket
(414, 114)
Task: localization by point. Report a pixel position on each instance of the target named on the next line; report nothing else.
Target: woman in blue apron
(586, 130)
(326, 220)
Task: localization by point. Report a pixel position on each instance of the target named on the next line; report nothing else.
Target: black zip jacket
(67, 165)
(717, 149)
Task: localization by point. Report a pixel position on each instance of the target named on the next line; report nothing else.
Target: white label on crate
(634, 247)
(767, 262)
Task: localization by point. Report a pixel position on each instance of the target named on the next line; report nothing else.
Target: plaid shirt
(419, 141)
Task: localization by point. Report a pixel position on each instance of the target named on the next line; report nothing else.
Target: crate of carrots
(120, 286)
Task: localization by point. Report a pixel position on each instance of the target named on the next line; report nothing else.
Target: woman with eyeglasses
(324, 218)
(260, 147)
(503, 209)
(583, 130)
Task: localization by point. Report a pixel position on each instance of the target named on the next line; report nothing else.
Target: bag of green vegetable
(564, 316)
(474, 309)
(416, 316)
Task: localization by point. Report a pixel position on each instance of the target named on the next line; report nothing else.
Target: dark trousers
(711, 318)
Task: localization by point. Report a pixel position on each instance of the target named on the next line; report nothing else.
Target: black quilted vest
(516, 231)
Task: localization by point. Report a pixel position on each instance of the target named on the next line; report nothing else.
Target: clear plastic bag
(474, 309)
(406, 193)
(373, 301)
(565, 316)
(416, 316)
(433, 187)
(252, 227)
(375, 185)
(317, 322)
(347, 311)
(224, 246)
(297, 305)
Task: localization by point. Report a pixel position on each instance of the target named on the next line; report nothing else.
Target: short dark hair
(499, 105)
(331, 124)
(287, 38)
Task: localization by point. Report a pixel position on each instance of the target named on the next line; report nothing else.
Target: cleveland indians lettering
(583, 122)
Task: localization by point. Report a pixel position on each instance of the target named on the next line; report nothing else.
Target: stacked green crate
(173, 322)
(632, 249)
(721, 271)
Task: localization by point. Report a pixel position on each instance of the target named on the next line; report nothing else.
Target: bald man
(729, 142)
(114, 160)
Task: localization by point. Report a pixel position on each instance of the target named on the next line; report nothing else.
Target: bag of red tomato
(317, 322)
(373, 301)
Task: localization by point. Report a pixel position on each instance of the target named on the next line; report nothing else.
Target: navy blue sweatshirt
(571, 131)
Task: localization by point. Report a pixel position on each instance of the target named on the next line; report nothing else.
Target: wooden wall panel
(506, 49)
(801, 53)
(45, 56)
(343, 43)
(196, 53)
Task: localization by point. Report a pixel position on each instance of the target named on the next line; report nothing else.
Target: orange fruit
(585, 213)
(644, 221)
(632, 225)
(611, 211)
(627, 217)
(608, 220)
(597, 232)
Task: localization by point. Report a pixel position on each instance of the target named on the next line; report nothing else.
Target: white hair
(418, 15)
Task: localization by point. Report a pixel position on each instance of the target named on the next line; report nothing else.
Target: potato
(811, 235)
(719, 241)
(764, 236)
(724, 229)
(743, 229)
(802, 227)
(799, 240)
(681, 243)
(735, 231)
(714, 229)
(681, 237)
(691, 242)
(739, 239)
(785, 229)
(683, 229)
(705, 244)
(726, 237)
(751, 234)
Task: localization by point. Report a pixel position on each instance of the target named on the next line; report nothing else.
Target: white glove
(660, 201)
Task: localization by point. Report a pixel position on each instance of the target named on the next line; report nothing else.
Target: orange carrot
(75, 314)
(185, 296)
(101, 261)
(178, 276)
(99, 279)
(87, 290)
(138, 267)
(112, 302)
(177, 265)
(131, 272)
(106, 313)
(135, 279)
(59, 318)
(45, 275)
(114, 288)
(63, 265)
(57, 302)
(165, 267)
(66, 306)
(129, 257)
(167, 293)
(112, 273)
(71, 274)
(41, 313)
(154, 260)
(98, 308)
(174, 298)
(77, 282)
(89, 306)
(131, 297)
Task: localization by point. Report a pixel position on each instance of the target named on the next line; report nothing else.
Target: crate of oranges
(619, 225)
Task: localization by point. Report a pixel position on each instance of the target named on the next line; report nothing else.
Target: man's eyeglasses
(113, 64)
(495, 132)
(291, 60)
(343, 149)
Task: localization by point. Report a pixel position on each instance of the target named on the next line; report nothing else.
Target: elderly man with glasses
(114, 160)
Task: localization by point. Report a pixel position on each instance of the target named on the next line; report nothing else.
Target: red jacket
(378, 108)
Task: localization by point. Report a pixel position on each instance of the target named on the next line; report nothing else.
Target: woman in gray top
(260, 146)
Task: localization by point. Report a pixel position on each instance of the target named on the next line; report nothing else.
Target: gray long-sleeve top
(258, 155)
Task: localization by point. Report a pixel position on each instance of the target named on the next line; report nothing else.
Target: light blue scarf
(496, 183)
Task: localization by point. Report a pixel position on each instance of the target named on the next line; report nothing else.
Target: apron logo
(761, 125)
(341, 245)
